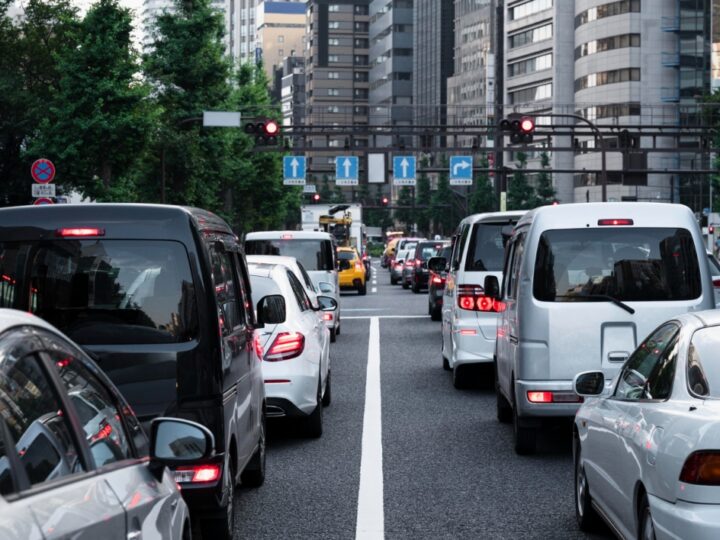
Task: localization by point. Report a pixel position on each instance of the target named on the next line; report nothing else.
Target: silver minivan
(584, 284)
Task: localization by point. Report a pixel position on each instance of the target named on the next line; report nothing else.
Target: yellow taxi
(351, 270)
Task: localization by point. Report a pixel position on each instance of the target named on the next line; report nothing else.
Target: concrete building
(715, 77)
(391, 66)
(336, 74)
(280, 32)
(292, 91)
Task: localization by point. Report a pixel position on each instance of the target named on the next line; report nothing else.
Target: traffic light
(266, 131)
(521, 128)
(316, 197)
(385, 201)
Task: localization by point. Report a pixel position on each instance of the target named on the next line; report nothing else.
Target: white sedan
(647, 446)
(294, 344)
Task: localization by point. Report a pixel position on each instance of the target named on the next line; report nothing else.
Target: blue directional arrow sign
(294, 170)
(404, 170)
(461, 170)
(347, 170)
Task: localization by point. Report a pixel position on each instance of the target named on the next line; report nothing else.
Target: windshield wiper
(618, 303)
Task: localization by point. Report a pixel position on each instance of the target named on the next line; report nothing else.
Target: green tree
(444, 211)
(338, 195)
(520, 194)
(406, 215)
(326, 192)
(482, 197)
(545, 189)
(99, 119)
(423, 198)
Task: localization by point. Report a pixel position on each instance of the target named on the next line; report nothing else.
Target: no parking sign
(42, 171)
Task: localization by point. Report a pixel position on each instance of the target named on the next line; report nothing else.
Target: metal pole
(162, 174)
(499, 112)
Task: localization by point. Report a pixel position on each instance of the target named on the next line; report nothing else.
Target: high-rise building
(151, 9)
(280, 31)
(433, 43)
(292, 91)
(391, 66)
(715, 77)
(336, 74)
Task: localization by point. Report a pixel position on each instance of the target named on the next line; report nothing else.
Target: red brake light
(612, 222)
(485, 303)
(103, 433)
(702, 468)
(197, 473)
(410, 262)
(286, 345)
(716, 282)
(437, 280)
(539, 397)
(287, 236)
(327, 316)
(358, 265)
(472, 298)
(79, 232)
(466, 302)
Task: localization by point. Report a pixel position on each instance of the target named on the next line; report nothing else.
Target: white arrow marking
(462, 165)
(347, 164)
(404, 164)
(294, 164)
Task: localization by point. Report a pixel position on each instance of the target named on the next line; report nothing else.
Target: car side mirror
(271, 309)
(506, 233)
(492, 287)
(175, 441)
(437, 264)
(327, 303)
(325, 287)
(589, 383)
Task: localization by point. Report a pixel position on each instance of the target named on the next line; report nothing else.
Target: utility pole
(499, 109)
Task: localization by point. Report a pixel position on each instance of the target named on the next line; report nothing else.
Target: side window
(507, 270)
(34, 423)
(95, 408)
(517, 265)
(300, 295)
(306, 277)
(459, 247)
(226, 289)
(244, 288)
(651, 360)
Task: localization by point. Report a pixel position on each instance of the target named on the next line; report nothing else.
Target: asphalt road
(448, 469)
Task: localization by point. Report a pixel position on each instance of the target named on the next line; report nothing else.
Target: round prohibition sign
(42, 201)
(42, 171)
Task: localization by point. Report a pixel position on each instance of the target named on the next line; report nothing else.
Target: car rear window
(486, 251)
(346, 255)
(104, 291)
(627, 263)
(312, 254)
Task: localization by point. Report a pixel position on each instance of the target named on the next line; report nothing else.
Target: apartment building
(280, 32)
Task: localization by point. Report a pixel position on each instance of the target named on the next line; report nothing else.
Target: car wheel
(647, 527)
(446, 364)
(327, 396)
(362, 289)
(460, 377)
(337, 330)
(525, 437)
(254, 473)
(314, 421)
(222, 526)
(587, 518)
(393, 281)
(504, 411)
(333, 335)
(436, 314)
(415, 287)
(405, 285)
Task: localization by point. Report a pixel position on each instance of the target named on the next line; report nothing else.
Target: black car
(420, 273)
(436, 286)
(160, 297)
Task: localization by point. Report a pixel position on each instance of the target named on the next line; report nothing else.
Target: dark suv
(423, 251)
(159, 296)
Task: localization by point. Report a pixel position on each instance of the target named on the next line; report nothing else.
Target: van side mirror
(589, 383)
(492, 287)
(327, 303)
(175, 441)
(437, 264)
(271, 309)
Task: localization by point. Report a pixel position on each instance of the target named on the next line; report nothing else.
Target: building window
(362, 26)
(530, 65)
(534, 93)
(529, 8)
(615, 110)
(533, 35)
(334, 7)
(607, 44)
(607, 10)
(361, 10)
(333, 75)
(333, 58)
(333, 92)
(333, 41)
(334, 25)
(361, 76)
(607, 77)
(281, 53)
(361, 60)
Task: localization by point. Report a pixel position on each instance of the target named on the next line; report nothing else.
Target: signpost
(404, 170)
(294, 170)
(347, 170)
(42, 201)
(461, 169)
(43, 172)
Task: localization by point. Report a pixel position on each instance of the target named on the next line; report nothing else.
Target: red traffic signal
(271, 128)
(316, 197)
(266, 131)
(521, 128)
(385, 201)
(527, 125)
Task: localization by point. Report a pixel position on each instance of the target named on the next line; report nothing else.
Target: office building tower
(292, 91)
(280, 32)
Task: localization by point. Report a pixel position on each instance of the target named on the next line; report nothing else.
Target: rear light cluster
(286, 345)
(614, 222)
(410, 262)
(716, 282)
(197, 474)
(327, 316)
(437, 280)
(79, 232)
(359, 265)
(472, 298)
(545, 396)
(702, 468)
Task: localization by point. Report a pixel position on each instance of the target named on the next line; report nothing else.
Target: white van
(468, 319)
(584, 284)
(314, 250)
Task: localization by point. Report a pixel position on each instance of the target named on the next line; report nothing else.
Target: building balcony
(670, 24)
(670, 59)
(669, 94)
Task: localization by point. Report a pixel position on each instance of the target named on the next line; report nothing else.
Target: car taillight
(410, 262)
(286, 345)
(716, 282)
(472, 298)
(437, 280)
(197, 474)
(75, 232)
(358, 265)
(540, 397)
(545, 396)
(614, 222)
(702, 468)
(327, 316)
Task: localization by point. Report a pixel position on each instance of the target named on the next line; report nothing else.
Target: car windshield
(312, 254)
(625, 263)
(487, 252)
(703, 368)
(104, 291)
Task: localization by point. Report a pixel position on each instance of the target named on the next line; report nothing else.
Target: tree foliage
(520, 194)
(406, 215)
(545, 191)
(482, 197)
(444, 210)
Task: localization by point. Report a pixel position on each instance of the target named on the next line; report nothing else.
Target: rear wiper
(618, 303)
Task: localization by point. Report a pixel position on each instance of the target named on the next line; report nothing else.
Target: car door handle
(513, 339)
(135, 535)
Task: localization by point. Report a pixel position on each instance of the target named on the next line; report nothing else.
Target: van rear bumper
(561, 406)
(470, 345)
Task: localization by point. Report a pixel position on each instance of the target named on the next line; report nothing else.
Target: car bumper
(300, 391)
(352, 280)
(421, 279)
(563, 390)
(470, 345)
(684, 519)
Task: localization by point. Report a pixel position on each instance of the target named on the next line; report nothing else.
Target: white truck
(311, 214)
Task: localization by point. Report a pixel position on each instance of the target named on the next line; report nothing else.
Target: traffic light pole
(499, 137)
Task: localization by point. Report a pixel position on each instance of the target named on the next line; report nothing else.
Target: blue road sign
(294, 170)
(347, 170)
(461, 170)
(404, 170)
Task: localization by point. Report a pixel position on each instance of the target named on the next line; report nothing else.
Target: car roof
(272, 260)
(708, 317)
(293, 235)
(493, 216)
(10, 318)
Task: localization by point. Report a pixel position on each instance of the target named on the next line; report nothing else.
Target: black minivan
(160, 297)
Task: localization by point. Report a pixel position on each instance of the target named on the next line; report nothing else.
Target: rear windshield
(425, 250)
(630, 264)
(312, 254)
(703, 373)
(346, 255)
(714, 265)
(486, 251)
(104, 291)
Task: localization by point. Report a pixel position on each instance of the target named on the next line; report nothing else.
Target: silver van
(584, 284)
(469, 319)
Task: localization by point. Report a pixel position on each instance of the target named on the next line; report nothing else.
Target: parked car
(73, 466)
(295, 345)
(314, 250)
(396, 266)
(420, 273)
(352, 270)
(311, 289)
(436, 282)
(582, 282)
(469, 319)
(647, 448)
(160, 297)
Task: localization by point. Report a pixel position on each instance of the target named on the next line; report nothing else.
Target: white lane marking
(386, 316)
(374, 289)
(371, 513)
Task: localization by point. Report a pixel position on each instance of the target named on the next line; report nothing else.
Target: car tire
(446, 364)
(362, 289)
(405, 285)
(254, 473)
(327, 396)
(333, 335)
(460, 377)
(222, 526)
(415, 287)
(337, 330)
(436, 314)
(504, 411)
(586, 516)
(646, 526)
(313, 424)
(525, 438)
(393, 281)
